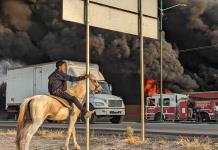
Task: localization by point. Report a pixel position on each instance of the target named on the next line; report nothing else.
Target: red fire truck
(207, 103)
(175, 106)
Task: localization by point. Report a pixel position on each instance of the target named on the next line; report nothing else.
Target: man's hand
(83, 77)
(86, 76)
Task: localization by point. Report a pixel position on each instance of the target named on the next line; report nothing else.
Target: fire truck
(206, 103)
(176, 106)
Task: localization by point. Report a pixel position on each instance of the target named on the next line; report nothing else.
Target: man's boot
(88, 114)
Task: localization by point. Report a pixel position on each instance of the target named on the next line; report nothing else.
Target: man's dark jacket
(57, 81)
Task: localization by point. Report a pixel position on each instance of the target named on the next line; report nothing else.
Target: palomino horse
(34, 110)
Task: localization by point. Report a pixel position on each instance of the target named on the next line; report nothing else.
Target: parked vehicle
(32, 80)
(176, 106)
(206, 104)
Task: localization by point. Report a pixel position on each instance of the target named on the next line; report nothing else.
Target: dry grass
(130, 138)
(129, 132)
(52, 134)
(196, 143)
(162, 142)
(133, 140)
(8, 133)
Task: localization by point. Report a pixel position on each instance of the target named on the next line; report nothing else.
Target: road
(151, 128)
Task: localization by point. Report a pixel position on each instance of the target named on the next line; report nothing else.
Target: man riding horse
(34, 110)
(57, 84)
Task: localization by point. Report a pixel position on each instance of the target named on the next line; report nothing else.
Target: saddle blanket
(62, 101)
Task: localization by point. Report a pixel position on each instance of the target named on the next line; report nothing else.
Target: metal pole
(142, 74)
(87, 72)
(161, 60)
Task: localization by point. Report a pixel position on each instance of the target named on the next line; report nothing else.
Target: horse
(36, 109)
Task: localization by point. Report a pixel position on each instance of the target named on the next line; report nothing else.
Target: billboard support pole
(161, 61)
(78, 11)
(87, 71)
(142, 71)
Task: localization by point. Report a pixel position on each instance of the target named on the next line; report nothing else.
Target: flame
(151, 88)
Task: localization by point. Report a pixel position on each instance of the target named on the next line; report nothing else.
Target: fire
(151, 88)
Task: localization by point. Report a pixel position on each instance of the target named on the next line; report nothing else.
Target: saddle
(64, 102)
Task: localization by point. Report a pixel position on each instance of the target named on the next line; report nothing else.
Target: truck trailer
(33, 80)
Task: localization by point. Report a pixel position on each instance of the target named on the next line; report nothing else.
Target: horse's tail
(24, 113)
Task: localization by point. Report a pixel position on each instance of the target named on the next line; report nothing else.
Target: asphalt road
(151, 128)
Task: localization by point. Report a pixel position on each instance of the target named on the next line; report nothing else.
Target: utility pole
(161, 52)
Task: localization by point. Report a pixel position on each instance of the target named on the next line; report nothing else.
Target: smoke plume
(32, 31)
(18, 14)
(196, 26)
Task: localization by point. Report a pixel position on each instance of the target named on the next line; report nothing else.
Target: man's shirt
(57, 81)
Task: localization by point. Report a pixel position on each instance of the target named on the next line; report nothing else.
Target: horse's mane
(75, 85)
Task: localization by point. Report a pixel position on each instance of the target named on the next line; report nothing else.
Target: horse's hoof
(65, 148)
(77, 148)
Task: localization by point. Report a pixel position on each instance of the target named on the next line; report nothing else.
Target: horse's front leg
(76, 145)
(71, 129)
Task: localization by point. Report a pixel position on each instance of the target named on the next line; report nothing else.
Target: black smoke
(32, 31)
(191, 27)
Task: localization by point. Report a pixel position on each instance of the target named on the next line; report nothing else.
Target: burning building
(152, 87)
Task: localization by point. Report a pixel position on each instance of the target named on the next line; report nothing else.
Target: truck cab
(106, 105)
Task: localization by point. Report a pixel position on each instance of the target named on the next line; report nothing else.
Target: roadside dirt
(104, 143)
(54, 140)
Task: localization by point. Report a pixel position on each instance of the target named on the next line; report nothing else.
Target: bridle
(96, 84)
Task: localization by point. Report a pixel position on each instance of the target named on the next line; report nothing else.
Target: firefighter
(190, 109)
(198, 112)
(57, 84)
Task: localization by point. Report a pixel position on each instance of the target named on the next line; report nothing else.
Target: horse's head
(94, 85)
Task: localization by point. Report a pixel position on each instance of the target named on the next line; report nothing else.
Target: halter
(97, 85)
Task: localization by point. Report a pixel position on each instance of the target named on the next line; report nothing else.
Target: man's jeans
(69, 98)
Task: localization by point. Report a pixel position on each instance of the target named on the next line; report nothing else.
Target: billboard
(116, 15)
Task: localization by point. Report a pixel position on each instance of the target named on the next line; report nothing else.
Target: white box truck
(32, 80)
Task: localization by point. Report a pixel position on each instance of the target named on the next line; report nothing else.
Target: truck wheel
(49, 121)
(53, 121)
(198, 117)
(157, 117)
(93, 117)
(205, 117)
(12, 116)
(117, 119)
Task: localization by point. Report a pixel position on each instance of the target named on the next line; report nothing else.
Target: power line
(198, 48)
